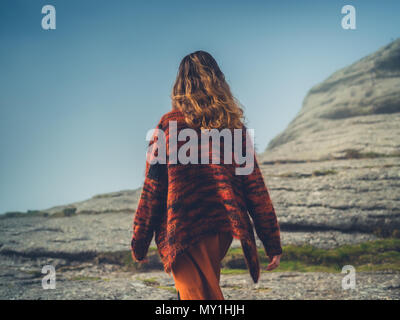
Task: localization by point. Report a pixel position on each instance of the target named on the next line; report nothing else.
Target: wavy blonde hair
(202, 94)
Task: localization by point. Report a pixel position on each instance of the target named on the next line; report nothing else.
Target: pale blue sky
(76, 102)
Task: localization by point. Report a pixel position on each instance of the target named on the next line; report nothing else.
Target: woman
(195, 208)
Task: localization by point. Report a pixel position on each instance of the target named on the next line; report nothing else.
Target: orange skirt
(197, 270)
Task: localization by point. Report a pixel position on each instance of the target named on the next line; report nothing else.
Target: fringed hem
(248, 246)
(181, 249)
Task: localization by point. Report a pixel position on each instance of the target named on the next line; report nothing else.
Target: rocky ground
(345, 195)
(112, 232)
(324, 210)
(21, 279)
(346, 203)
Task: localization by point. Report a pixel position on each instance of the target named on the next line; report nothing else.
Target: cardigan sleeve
(151, 206)
(260, 208)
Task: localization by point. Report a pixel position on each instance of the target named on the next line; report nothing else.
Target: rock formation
(357, 109)
(336, 166)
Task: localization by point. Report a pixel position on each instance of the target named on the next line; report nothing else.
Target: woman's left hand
(275, 261)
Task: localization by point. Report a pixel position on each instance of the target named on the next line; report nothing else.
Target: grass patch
(262, 289)
(232, 286)
(29, 213)
(150, 281)
(315, 173)
(387, 233)
(356, 154)
(33, 273)
(374, 255)
(298, 266)
(124, 259)
(153, 282)
(294, 175)
(65, 212)
(232, 271)
(84, 278)
(318, 173)
(171, 289)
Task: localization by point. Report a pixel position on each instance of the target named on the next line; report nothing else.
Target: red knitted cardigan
(182, 203)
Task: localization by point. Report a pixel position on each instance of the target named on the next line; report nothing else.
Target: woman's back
(196, 186)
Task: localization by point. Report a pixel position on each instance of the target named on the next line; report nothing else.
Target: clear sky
(76, 102)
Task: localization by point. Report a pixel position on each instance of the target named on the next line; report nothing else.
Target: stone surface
(22, 279)
(120, 201)
(358, 107)
(112, 232)
(336, 165)
(351, 195)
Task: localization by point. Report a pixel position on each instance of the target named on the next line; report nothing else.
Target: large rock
(124, 201)
(357, 108)
(336, 166)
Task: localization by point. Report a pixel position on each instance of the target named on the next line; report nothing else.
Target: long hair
(202, 94)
